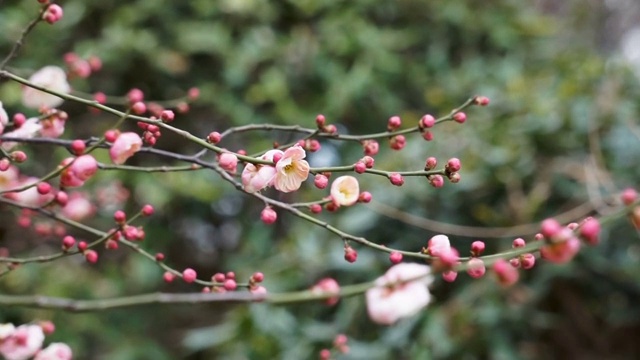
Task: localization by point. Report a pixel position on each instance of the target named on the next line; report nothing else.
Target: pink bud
(396, 179)
(431, 163)
(476, 268)
(135, 95)
(453, 165)
(321, 181)
(360, 167)
(350, 254)
(320, 121)
(365, 197)
(629, 195)
(371, 147)
(327, 286)
(230, 285)
(78, 147)
(124, 147)
(43, 188)
(189, 275)
(395, 257)
(168, 277)
(449, 276)
(268, 215)
(398, 142)
(506, 274)
(68, 242)
(481, 100)
(527, 261)
(228, 162)
(550, 227)
(193, 93)
(167, 115)
(214, 137)
(159, 257)
(427, 135)
(257, 277)
(120, 216)
(368, 162)
(590, 231)
(477, 248)
(147, 210)
(315, 208)
(427, 121)
(139, 108)
(91, 256)
(437, 181)
(460, 117)
(394, 123)
(518, 243)
(82, 246)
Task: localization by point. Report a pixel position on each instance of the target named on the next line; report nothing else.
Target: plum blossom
(401, 292)
(124, 147)
(4, 118)
(30, 196)
(30, 129)
(81, 169)
(53, 127)
(291, 170)
(22, 343)
(258, 177)
(49, 77)
(55, 351)
(78, 207)
(345, 191)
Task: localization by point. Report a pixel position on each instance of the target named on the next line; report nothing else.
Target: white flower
(345, 191)
(401, 292)
(4, 118)
(51, 78)
(28, 130)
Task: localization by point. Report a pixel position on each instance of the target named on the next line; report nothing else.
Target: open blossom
(124, 147)
(49, 77)
(78, 207)
(345, 191)
(22, 343)
(258, 177)
(401, 292)
(28, 130)
(4, 118)
(291, 170)
(55, 351)
(52, 128)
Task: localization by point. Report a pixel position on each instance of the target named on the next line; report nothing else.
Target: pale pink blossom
(55, 351)
(6, 330)
(291, 170)
(51, 78)
(53, 127)
(439, 245)
(23, 343)
(30, 196)
(8, 178)
(81, 169)
(258, 177)
(345, 191)
(4, 118)
(401, 292)
(78, 207)
(30, 129)
(228, 162)
(124, 147)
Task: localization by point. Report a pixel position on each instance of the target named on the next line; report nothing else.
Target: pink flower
(29, 197)
(258, 177)
(28, 130)
(49, 77)
(345, 191)
(82, 168)
(52, 128)
(23, 342)
(78, 207)
(291, 170)
(228, 161)
(4, 118)
(328, 286)
(8, 178)
(124, 147)
(55, 351)
(399, 293)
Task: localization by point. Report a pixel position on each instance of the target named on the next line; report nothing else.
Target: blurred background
(560, 138)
